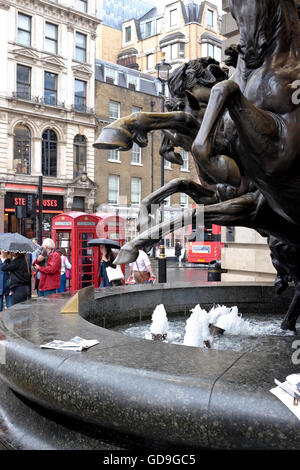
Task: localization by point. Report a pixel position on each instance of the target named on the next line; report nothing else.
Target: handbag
(68, 270)
(114, 274)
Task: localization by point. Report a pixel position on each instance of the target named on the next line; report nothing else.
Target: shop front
(21, 210)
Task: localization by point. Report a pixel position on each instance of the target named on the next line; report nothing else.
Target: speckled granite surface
(178, 396)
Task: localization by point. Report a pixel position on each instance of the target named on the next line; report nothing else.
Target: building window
(50, 88)
(159, 22)
(214, 51)
(150, 61)
(113, 189)
(114, 155)
(81, 5)
(128, 34)
(80, 95)
(23, 82)
(184, 200)
(24, 29)
(185, 157)
(110, 76)
(114, 109)
(167, 165)
(210, 18)
(22, 150)
(51, 38)
(79, 155)
(173, 17)
(177, 50)
(81, 47)
(148, 29)
(49, 153)
(135, 190)
(78, 203)
(136, 154)
(132, 82)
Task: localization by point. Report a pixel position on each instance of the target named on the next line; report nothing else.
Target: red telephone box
(110, 226)
(72, 231)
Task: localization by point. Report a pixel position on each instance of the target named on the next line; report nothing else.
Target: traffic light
(30, 205)
(21, 212)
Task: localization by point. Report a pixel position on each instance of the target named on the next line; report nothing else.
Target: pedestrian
(50, 272)
(65, 269)
(17, 265)
(140, 270)
(4, 283)
(178, 249)
(107, 259)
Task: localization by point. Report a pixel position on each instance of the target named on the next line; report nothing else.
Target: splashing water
(197, 328)
(160, 323)
(240, 333)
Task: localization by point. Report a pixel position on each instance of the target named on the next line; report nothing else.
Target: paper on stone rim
(286, 399)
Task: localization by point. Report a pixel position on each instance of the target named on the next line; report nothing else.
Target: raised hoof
(111, 138)
(126, 255)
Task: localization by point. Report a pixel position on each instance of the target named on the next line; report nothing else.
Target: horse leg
(197, 192)
(149, 238)
(257, 128)
(134, 128)
(289, 322)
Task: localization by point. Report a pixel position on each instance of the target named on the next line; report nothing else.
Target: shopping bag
(114, 274)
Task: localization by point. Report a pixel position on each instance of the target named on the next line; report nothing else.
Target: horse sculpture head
(260, 22)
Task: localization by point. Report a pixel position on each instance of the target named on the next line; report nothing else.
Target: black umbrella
(104, 241)
(16, 243)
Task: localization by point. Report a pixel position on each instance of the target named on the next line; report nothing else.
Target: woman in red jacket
(50, 272)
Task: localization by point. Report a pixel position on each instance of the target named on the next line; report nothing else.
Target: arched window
(79, 155)
(49, 153)
(22, 149)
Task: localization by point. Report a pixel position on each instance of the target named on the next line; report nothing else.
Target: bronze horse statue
(249, 139)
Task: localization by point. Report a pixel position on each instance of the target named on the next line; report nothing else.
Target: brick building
(125, 178)
(182, 30)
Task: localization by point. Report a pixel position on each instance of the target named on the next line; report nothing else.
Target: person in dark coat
(107, 259)
(19, 277)
(178, 249)
(4, 283)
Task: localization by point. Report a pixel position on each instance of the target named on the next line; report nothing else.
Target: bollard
(162, 265)
(214, 272)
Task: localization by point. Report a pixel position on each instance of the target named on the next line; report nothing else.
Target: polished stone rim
(180, 395)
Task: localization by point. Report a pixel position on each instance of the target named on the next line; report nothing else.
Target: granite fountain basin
(153, 393)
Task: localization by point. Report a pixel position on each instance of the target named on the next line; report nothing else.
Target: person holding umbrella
(106, 263)
(17, 266)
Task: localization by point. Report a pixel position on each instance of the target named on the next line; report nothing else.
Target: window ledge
(185, 171)
(166, 168)
(136, 164)
(114, 161)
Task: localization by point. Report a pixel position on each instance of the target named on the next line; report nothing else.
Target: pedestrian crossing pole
(40, 211)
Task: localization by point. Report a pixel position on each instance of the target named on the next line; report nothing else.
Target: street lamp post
(163, 70)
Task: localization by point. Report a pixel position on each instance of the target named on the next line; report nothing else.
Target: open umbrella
(104, 241)
(16, 243)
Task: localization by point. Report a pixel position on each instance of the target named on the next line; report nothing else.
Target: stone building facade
(47, 119)
(125, 178)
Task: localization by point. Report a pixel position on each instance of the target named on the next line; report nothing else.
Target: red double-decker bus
(209, 248)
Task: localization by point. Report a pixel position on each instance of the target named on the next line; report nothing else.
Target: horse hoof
(288, 326)
(112, 138)
(126, 255)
